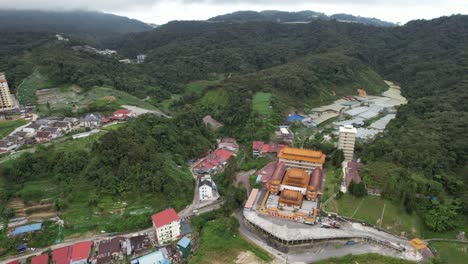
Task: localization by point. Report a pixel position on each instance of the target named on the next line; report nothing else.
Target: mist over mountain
(290, 17)
(68, 22)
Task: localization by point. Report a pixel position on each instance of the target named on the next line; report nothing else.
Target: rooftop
(27, 229)
(156, 257)
(348, 129)
(62, 255)
(41, 259)
(302, 155)
(251, 200)
(296, 177)
(81, 250)
(184, 242)
(165, 217)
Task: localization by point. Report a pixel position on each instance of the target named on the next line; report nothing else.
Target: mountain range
(295, 17)
(68, 22)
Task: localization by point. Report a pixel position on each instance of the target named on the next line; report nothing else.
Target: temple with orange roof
(301, 158)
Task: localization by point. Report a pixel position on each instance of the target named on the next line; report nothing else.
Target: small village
(285, 208)
(291, 190)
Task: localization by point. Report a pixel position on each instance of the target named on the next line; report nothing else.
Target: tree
(441, 216)
(337, 158)
(357, 189)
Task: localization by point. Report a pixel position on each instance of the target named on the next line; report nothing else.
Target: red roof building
(121, 114)
(43, 136)
(62, 255)
(14, 262)
(267, 172)
(81, 251)
(222, 155)
(260, 149)
(352, 172)
(41, 259)
(257, 145)
(165, 217)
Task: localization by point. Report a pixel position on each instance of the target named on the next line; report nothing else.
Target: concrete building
(347, 138)
(167, 225)
(141, 58)
(206, 189)
(6, 100)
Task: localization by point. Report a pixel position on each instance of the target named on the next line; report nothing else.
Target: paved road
(318, 252)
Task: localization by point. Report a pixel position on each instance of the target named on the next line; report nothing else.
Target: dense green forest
(420, 161)
(292, 17)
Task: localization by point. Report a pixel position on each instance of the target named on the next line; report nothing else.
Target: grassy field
(98, 94)
(26, 92)
(451, 252)
(113, 127)
(217, 247)
(261, 103)
(370, 208)
(198, 86)
(365, 259)
(215, 99)
(6, 127)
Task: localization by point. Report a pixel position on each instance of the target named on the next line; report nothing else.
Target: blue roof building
(294, 118)
(156, 257)
(27, 229)
(184, 247)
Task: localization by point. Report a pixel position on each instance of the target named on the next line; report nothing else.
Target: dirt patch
(248, 257)
(110, 98)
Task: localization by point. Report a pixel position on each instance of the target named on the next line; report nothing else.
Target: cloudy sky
(162, 11)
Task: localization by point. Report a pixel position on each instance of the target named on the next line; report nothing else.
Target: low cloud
(137, 4)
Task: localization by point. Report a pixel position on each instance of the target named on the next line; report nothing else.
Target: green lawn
(198, 86)
(113, 127)
(215, 99)
(261, 103)
(369, 209)
(451, 252)
(218, 245)
(6, 127)
(371, 258)
(26, 91)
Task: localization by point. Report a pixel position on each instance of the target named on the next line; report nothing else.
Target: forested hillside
(67, 22)
(294, 17)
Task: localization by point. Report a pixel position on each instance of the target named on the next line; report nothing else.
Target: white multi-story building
(346, 141)
(206, 189)
(6, 100)
(166, 225)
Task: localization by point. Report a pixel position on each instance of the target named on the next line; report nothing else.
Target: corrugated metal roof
(156, 257)
(184, 242)
(251, 200)
(27, 229)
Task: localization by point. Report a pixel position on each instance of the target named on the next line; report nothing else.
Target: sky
(163, 11)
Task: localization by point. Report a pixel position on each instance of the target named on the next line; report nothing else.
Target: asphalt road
(316, 253)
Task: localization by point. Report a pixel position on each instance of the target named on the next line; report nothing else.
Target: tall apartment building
(166, 225)
(346, 141)
(6, 100)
